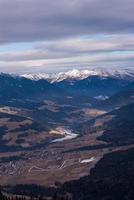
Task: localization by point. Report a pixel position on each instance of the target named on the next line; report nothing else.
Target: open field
(53, 164)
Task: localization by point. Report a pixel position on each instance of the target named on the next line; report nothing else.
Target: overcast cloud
(66, 32)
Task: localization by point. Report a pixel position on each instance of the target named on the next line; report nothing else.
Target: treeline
(56, 196)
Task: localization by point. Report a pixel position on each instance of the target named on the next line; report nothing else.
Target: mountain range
(76, 74)
(57, 128)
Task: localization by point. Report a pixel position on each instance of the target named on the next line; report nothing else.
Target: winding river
(68, 135)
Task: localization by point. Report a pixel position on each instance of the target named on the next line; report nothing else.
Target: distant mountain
(15, 87)
(123, 97)
(75, 74)
(88, 90)
(94, 86)
(94, 83)
(58, 77)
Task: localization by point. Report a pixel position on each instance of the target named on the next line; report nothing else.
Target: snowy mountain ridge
(76, 74)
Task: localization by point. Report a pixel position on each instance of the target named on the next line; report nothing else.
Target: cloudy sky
(57, 35)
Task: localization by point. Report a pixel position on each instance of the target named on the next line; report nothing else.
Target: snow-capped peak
(72, 75)
(57, 77)
(36, 77)
(76, 74)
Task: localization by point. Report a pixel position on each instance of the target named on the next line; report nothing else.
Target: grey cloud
(32, 20)
(96, 60)
(72, 48)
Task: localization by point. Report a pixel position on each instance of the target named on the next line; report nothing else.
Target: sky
(58, 35)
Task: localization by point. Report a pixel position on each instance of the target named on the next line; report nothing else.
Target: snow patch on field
(87, 160)
(68, 135)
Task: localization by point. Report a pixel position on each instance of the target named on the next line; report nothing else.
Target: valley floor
(54, 164)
